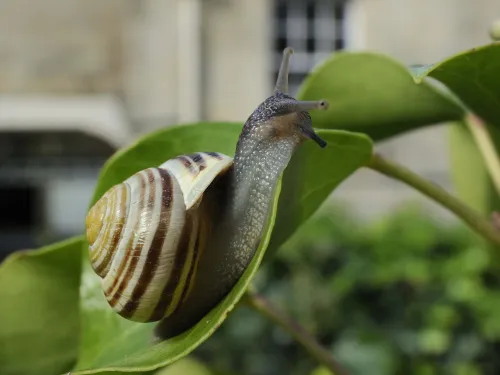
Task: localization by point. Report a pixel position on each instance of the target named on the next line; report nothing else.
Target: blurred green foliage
(404, 295)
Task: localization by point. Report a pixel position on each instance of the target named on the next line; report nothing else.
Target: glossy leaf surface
(39, 318)
(313, 174)
(473, 77)
(373, 94)
(469, 174)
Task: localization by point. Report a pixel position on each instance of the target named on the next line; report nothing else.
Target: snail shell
(144, 235)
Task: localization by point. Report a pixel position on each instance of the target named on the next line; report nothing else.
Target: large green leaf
(312, 175)
(376, 95)
(188, 366)
(469, 174)
(185, 366)
(473, 77)
(109, 342)
(39, 315)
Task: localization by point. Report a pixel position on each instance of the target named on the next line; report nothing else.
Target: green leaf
(373, 94)
(321, 371)
(473, 77)
(469, 174)
(186, 366)
(312, 175)
(39, 315)
(433, 341)
(111, 343)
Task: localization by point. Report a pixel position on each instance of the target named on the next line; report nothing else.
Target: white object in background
(102, 116)
(355, 25)
(66, 203)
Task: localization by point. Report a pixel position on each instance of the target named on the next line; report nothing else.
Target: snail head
(282, 115)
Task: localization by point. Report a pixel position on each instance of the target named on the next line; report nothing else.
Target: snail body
(170, 242)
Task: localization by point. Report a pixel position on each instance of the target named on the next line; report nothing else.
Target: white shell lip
(194, 182)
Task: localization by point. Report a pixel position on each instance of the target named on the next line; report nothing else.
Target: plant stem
(438, 194)
(486, 147)
(304, 338)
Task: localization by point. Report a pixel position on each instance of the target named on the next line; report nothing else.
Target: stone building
(79, 79)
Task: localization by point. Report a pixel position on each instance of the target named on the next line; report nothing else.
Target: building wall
(237, 57)
(57, 58)
(130, 48)
(60, 47)
(171, 61)
(150, 66)
(423, 31)
(126, 48)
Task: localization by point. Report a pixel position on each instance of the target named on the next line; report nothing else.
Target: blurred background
(80, 79)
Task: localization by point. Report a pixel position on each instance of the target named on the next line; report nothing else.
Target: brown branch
(304, 338)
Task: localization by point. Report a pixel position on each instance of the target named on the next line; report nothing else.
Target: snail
(170, 242)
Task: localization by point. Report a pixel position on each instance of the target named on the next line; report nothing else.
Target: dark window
(29, 156)
(313, 28)
(28, 162)
(19, 217)
(18, 207)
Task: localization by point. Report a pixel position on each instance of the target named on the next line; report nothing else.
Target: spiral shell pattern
(195, 172)
(143, 241)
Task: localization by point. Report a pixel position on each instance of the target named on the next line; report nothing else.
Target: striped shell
(143, 235)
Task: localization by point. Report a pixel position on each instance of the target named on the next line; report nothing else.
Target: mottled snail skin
(193, 241)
